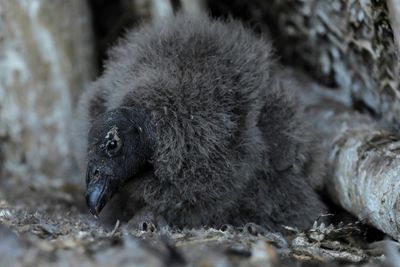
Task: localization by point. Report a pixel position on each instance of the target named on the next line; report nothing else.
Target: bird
(190, 121)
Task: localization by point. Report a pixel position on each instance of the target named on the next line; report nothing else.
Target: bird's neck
(141, 116)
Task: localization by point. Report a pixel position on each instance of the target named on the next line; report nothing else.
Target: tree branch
(363, 160)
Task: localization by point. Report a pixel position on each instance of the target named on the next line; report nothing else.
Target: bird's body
(223, 141)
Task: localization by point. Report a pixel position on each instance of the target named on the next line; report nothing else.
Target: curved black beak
(95, 197)
(98, 191)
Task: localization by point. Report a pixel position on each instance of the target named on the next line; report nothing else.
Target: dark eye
(112, 145)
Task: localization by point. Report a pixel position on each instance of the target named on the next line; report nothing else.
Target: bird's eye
(113, 142)
(112, 145)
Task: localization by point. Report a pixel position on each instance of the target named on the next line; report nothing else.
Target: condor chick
(191, 113)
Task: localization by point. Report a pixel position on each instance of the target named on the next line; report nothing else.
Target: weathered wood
(363, 160)
(45, 61)
(394, 15)
(349, 44)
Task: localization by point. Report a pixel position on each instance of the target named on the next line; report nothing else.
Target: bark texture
(45, 61)
(363, 159)
(349, 44)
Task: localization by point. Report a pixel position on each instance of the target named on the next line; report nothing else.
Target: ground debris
(41, 228)
(341, 242)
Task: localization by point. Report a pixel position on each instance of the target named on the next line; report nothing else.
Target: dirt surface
(52, 227)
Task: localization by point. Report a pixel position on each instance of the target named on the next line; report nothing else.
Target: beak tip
(92, 203)
(98, 192)
(94, 212)
(95, 215)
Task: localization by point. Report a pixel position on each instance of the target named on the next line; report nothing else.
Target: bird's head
(120, 143)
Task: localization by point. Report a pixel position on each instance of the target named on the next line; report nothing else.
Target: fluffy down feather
(228, 144)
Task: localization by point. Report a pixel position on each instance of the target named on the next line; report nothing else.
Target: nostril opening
(92, 173)
(96, 173)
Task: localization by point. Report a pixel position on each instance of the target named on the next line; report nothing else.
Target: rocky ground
(52, 227)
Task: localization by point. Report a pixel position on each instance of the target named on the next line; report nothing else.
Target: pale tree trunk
(363, 159)
(46, 59)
